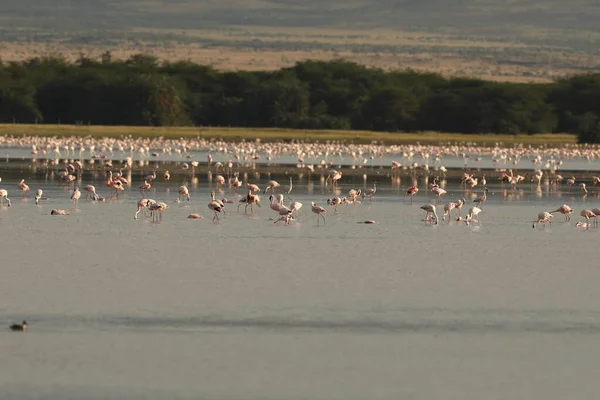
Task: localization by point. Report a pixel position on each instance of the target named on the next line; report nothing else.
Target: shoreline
(279, 134)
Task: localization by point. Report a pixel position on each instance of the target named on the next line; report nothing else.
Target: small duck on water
(22, 327)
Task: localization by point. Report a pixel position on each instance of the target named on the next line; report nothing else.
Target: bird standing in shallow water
(38, 196)
(22, 327)
(543, 218)
(74, 197)
(319, 211)
(430, 208)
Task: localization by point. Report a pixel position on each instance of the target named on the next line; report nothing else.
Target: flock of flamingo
(72, 155)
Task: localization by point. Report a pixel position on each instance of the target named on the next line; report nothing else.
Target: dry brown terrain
(253, 49)
(508, 40)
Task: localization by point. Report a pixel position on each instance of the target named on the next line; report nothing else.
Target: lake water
(248, 309)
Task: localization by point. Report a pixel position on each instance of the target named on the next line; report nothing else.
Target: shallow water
(249, 309)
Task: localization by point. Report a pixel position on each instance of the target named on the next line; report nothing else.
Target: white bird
(91, 192)
(184, 192)
(38, 196)
(4, 195)
(473, 213)
(430, 208)
(543, 218)
(295, 206)
(75, 196)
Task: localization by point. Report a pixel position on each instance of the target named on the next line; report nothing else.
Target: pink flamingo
(543, 218)
(587, 214)
(23, 187)
(184, 192)
(564, 210)
(411, 192)
(142, 204)
(158, 207)
(216, 206)
(272, 186)
(144, 187)
(319, 211)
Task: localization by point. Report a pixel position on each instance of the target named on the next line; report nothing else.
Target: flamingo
(235, 183)
(334, 176)
(220, 179)
(271, 185)
(144, 187)
(448, 207)
(439, 191)
(184, 192)
(91, 192)
(23, 187)
(565, 210)
(570, 182)
(4, 195)
(167, 176)
(288, 188)
(543, 218)
(38, 196)
(75, 196)
(587, 214)
(249, 200)
(472, 214)
(335, 202)
(285, 214)
(216, 207)
(252, 187)
(369, 193)
(59, 212)
(142, 204)
(481, 199)
(150, 178)
(286, 218)
(295, 206)
(114, 184)
(160, 207)
(352, 195)
(430, 208)
(319, 211)
(411, 192)
(274, 203)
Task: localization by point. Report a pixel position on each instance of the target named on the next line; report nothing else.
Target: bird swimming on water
(22, 327)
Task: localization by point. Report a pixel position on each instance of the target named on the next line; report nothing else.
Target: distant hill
(538, 38)
(539, 20)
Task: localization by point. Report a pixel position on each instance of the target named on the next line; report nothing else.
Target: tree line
(310, 95)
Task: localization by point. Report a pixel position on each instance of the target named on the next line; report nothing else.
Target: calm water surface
(246, 309)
